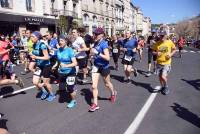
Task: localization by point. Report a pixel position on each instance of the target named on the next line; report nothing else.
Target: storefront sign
(33, 20)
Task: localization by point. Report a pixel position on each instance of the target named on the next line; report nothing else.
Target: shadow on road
(117, 77)
(146, 86)
(186, 114)
(64, 96)
(88, 95)
(194, 83)
(6, 90)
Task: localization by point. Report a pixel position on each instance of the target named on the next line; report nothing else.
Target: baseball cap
(99, 30)
(62, 37)
(37, 34)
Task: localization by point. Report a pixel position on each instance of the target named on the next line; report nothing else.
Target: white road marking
(192, 51)
(18, 91)
(138, 119)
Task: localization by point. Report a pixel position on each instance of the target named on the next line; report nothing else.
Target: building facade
(18, 15)
(99, 13)
(41, 15)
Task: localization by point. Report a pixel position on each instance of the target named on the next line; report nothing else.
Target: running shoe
(72, 104)
(157, 89)
(93, 107)
(51, 97)
(113, 97)
(165, 91)
(44, 94)
(20, 83)
(148, 74)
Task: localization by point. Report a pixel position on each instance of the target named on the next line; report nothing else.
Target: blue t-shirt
(53, 42)
(65, 55)
(98, 60)
(14, 42)
(37, 51)
(130, 45)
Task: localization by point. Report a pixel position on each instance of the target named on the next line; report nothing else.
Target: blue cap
(62, 37)
(37, 34)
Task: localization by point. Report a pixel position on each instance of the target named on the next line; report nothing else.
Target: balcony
(55, 12)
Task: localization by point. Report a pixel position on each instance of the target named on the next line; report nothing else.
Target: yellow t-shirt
(30, 45)
(165, 48)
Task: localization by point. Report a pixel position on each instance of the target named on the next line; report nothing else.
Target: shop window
(6, 3)
(30, 5)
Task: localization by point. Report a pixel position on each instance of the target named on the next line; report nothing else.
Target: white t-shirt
(77, 45)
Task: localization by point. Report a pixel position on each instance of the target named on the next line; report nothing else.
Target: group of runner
(67, 57)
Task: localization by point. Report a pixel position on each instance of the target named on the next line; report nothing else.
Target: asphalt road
(176, 113)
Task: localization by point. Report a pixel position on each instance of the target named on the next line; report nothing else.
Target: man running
(150, 42)
(164, 49)
(80, 51)
(129, 48)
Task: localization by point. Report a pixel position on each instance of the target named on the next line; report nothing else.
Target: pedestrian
(43, 68)
(181, 43)
(66, 70)
(80, 49)
(115, 48)
(164, 49)
(129, 48)
(100, 52)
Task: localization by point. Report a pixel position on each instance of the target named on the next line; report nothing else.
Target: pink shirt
(3, 45)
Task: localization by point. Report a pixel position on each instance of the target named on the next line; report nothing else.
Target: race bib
(51, 52)
(95, 69)
(38, 72)
(128, 58)
(71, 80)
(115, 50)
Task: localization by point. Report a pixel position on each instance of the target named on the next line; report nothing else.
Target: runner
(150, 42)
(43, 69)
(181, 43)
(67, 71)
(115, 47)
(140, 47)
(129, 49)
(164, 49)
(80, 52)
(100, 67)
(3, 64)
(29, 63)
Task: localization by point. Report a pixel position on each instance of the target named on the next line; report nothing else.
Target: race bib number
(38, 72)
(52, 52)
(128, 58)
(71, 80)
(95, 69)
(115, 50)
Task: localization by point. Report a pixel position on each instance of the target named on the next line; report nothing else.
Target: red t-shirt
(3, 45)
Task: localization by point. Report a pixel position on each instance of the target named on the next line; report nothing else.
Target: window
(6, 3)
(94, 19)
(85, 17)
(30, 5)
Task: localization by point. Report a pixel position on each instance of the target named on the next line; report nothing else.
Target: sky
(168, 11)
